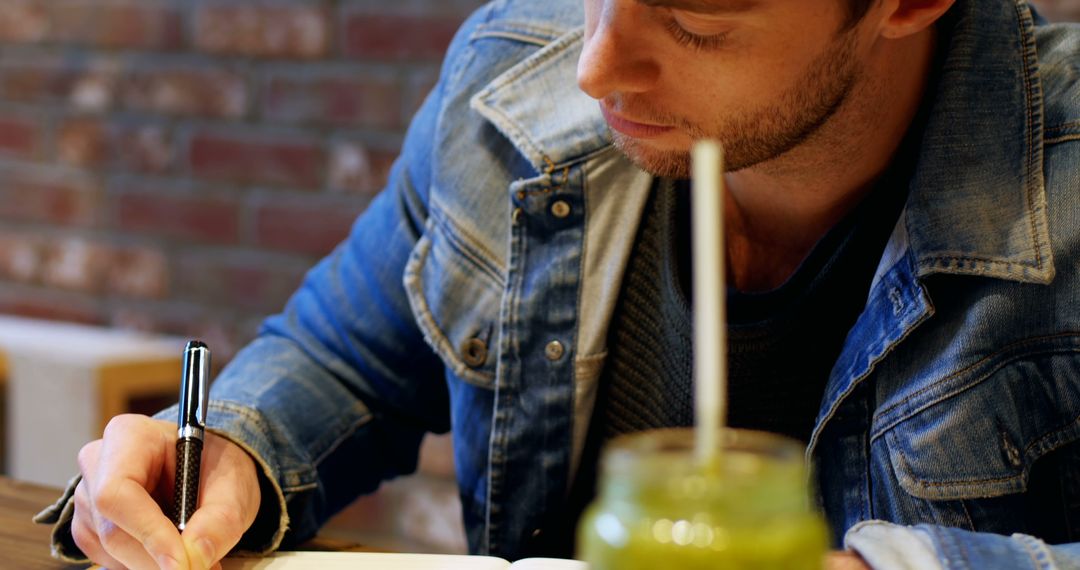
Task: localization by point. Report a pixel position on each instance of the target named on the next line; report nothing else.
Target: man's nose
(616, 57)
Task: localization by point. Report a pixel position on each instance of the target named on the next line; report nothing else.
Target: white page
(386, 561)
(363, 560)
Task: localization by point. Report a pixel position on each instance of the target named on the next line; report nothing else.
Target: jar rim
(673, 447)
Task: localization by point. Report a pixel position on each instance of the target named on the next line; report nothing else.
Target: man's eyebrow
(705, 6)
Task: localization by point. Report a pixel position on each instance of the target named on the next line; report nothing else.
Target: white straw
(710, 335)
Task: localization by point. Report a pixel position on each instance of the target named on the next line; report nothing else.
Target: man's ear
(902, 18)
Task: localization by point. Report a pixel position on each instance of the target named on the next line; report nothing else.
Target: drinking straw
(710, 335)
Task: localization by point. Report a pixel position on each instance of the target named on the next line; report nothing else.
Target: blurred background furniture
(64, 381)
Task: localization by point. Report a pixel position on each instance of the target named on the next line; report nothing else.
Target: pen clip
(194, 390)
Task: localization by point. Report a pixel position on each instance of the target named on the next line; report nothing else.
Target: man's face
(761, 76)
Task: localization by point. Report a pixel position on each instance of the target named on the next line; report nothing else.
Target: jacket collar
(977, 203)
(538, 106)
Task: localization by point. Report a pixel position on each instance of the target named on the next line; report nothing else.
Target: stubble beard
(763, 134)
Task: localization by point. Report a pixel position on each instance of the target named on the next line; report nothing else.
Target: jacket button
(554, 350)
(560, 209)
(474, 352)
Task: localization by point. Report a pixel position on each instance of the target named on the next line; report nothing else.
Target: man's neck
(777, 211)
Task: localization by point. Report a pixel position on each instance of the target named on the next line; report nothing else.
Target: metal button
(554, 350)
(560, 209)
(474, 352)
(536, 533)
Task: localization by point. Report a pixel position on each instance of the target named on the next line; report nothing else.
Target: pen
(191, 425)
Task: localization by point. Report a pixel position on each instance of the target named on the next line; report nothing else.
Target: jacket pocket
(455, 294)
(979, 433)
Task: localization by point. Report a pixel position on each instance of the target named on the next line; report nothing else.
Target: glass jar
(658, 508)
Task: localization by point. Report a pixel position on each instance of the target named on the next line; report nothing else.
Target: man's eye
(693, 40)
(696, 41)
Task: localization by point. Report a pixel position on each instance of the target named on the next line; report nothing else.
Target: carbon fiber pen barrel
(191, 426)
(186, 491)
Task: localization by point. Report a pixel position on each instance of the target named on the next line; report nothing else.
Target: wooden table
(25, 545)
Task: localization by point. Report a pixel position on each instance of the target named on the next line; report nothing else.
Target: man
(902, 221)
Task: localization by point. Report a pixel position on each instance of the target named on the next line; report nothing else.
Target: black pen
(192, 426)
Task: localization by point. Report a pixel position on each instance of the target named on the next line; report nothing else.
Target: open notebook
(381, 561)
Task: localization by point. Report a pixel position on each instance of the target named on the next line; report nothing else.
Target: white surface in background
(52, 398)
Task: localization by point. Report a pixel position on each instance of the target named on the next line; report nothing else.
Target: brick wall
(176, 165)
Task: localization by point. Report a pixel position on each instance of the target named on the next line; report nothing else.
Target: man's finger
(129, 467)
(122, 547)
(85, 536)
(213, 530)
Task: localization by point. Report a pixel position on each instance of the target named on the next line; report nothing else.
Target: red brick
(51, 306)
(75, 264)
(257, 160)
(312, 226)
(239, 279)
(82, 142)
(23, 21)
(138, 272)
(143, 148)
(117, 24)
(263, 31)
(43, 197)
(221, 333)
(418, 89)
(393, 36)
(33, 83)
(218, 328)
(355, 169)
(185, 217)
(20, 257)
(344, 100)
(18, 136)
(350, 169)
(382, 162)
(83, 88)
(189, 92)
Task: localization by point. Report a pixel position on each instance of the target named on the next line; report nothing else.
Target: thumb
(214, 529)
(200, 552)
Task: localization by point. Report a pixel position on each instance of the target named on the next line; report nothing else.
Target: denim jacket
(475, 292)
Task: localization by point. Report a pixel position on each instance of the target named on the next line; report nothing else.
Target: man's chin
(656, 161)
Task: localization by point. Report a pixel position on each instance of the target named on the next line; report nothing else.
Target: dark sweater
(781, 344)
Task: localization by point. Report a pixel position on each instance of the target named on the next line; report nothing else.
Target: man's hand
(845, 560)
(127, 476)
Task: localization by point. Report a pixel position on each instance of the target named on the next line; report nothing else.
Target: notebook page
(364, 560)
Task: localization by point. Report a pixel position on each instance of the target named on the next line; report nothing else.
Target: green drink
(658, 508)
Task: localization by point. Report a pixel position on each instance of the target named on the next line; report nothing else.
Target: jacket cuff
(59, 514)
(963, 550)
(243, 426)
(887, 546)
